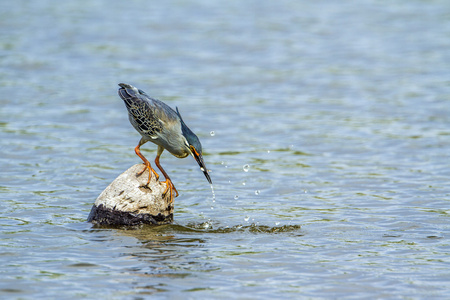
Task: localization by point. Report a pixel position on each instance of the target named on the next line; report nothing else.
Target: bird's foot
(171, 188)
(150, 171)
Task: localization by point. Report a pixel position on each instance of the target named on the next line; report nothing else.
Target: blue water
(329, 157)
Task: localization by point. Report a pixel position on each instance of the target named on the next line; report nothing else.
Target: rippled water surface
(326, 126)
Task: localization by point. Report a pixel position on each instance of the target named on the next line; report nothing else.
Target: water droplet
(236, 197)
(246, 167)
(257, 192)
(213, 194)
(246, 218)
(212, 133)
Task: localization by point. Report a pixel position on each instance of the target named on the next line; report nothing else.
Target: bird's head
(193, 145)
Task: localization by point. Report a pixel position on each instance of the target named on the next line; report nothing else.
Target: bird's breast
(181, 155)
(172, 142)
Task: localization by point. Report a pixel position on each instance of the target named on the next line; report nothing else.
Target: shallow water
(329, 154)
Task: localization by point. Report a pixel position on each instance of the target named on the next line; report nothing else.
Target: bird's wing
(142, 111)
(147, 115)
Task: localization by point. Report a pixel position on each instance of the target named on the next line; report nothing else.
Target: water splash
(207, 224)
(213, 193)
(213, 197)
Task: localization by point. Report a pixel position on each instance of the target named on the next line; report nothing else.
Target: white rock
(128, 200)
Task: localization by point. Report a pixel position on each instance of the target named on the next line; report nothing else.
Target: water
(213, 193)
(340, 110)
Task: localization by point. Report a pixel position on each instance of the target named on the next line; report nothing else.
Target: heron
(160, 124)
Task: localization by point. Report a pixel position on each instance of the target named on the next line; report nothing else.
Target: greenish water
(329, 153)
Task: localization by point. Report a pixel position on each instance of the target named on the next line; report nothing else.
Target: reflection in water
(179, 252)
(163, 253)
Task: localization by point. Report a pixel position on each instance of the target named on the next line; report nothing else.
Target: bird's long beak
(199, 158)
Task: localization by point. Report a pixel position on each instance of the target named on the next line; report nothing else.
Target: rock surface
(129, 201)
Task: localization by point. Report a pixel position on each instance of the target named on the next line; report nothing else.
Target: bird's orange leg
(146, 163)
(168, 182)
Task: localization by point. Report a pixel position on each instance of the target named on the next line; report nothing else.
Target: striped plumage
(160, 124)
